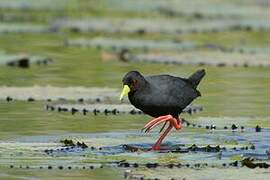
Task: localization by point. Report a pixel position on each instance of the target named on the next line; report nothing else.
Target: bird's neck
(135, 96)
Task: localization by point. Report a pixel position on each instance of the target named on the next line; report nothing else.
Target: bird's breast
(150, 105)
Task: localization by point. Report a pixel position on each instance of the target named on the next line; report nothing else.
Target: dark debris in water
(116, 111)
(74, 110)
(8, 99)
(69, 142)
(250, 164)
(131, 148)
(30, 99)
(150, 165)
(25, 62)
(233, 128)
(82, 145)
(192, 148)
(97, 109)
(91, 100)
(258, 128)
(204, 149)
(69, 146)
(209, 148)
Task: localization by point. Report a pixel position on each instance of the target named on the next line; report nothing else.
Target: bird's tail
(196, 77)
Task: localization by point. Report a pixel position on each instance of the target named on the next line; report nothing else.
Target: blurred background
(75, 52)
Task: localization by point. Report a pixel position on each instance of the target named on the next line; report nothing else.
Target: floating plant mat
(129, 43)
(59, 93)
(90, 99)
(189, 50)
(215, 58)
(167, 26)
(33, 4)
(22, 28)
(110, 150)
(208, 8)
(23, 61)
(108, 109)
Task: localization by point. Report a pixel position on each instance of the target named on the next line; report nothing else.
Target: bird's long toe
(161, 129)
(156, 124)
(153, 123)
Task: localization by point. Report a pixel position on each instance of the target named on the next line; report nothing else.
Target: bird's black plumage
(162, 94)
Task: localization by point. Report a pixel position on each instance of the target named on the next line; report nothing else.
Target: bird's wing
(171, 91)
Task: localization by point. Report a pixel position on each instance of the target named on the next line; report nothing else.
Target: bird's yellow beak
(125, 92)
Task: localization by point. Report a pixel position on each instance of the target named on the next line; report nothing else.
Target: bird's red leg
(157, 121)
(159, 141)
(176, 123)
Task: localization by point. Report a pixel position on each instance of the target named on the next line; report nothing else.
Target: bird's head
(132, 81)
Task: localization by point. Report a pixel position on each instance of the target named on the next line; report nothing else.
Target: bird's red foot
(176, 123)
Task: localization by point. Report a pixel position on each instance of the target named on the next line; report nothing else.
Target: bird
(161, 96)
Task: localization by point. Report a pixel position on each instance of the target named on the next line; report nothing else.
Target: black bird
(162, 96)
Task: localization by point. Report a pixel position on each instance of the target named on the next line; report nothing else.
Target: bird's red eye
(135, 81)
